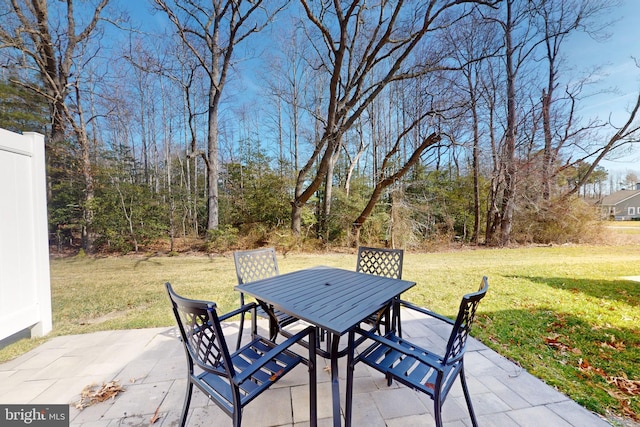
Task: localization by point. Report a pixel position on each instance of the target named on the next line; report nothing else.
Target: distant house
(623, 205)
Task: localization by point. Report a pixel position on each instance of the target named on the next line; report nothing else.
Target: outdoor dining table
(333, 299)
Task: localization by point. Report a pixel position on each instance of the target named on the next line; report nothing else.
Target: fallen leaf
(584, 366)
(625, 385)
(624, 403)
(155, 416)
(626, 410)
(614, 344)
(276, 375)
(93, 393)
(554, 342)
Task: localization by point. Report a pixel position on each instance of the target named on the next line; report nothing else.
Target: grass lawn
(566, 314)
(624, 227)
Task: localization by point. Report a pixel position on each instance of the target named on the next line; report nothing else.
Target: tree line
(334, 122)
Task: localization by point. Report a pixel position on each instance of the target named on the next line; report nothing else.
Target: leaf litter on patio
(94, 393)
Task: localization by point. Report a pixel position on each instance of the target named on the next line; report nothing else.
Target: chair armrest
(244, 308)
(418, 354)
(423, 310)
(268, 356)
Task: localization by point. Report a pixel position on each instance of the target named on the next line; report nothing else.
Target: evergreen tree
(21, 110)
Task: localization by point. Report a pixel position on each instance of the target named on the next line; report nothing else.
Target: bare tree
(543, 134)
(389, 179)
(211, 33)
(57, 47)
(556, 20)
(562, 129)
(624, 135)
(157, 66)
(290, 83)
(475, 45)
(363, 48)
(353, 160)
(520, 42)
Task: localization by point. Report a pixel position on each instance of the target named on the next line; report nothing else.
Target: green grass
(563, 313)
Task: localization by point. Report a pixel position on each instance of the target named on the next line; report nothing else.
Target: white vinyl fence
(25, 291)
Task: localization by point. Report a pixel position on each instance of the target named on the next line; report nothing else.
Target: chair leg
(467, 397)
(240, 331)
(437, 409)
(237, 417)
(187, 402)
(254, 325)
(389, 379)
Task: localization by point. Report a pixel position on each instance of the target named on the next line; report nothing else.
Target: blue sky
(613, 56)
(618, 72)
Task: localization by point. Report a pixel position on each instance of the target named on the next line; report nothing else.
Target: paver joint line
(154, 357)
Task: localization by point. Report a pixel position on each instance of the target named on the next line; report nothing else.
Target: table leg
(335, 382)
(348, 411)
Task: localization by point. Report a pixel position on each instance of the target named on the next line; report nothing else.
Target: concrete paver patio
(150, 365)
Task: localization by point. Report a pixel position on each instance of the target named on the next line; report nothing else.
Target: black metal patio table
(332, 299)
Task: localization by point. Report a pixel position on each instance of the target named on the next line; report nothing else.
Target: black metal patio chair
(233, 380)
(381, 262)
(418, 368)
(254, 265)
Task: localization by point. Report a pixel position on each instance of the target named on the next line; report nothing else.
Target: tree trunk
(212, 168)
(476, 179)
(386, 182)
(508, 154)
(328, 193)
(353, 163)
(547, 158)
(80, 130)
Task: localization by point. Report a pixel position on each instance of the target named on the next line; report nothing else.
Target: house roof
(618, 197)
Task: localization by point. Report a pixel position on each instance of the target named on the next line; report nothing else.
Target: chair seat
(233, 380)
(415, 368)
(218, 387)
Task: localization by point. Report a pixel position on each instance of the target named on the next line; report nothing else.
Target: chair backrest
(255, 264)
(201, 334)
(462, 326)
(380, 261)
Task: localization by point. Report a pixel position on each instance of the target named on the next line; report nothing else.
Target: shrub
(222, 239)
(562, 221)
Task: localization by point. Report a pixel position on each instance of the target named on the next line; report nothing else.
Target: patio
(150, 365)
